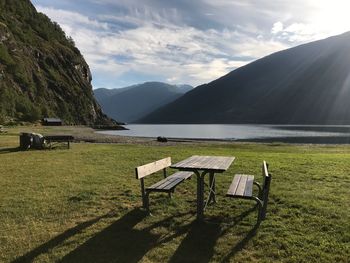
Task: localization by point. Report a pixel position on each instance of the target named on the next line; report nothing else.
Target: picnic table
(202, 165)
(2, 129)
(57, 139)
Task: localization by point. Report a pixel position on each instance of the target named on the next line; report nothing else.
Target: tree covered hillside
(42, 73)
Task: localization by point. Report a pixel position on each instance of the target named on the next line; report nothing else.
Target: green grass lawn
(83, 205)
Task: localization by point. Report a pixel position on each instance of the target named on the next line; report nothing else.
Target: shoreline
(90, 135)
(316, 140)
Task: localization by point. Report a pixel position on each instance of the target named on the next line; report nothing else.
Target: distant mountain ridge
(307, 84)
(102, 93)
(131, 103)
(42, 73)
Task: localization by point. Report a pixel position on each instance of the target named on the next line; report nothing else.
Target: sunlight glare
(332, 17)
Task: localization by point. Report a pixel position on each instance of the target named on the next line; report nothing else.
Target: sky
(126, 42)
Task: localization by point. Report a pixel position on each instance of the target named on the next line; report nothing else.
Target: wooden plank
(249, 186)
(265, 171)
(150, 168)
(234, 184)
(166, 184)
(227, 163)
(197, 161)
(241, 185)
(159, 184)
(216, 163)
(173, 184)
(184, 163)
(220, 163)
(181, 174)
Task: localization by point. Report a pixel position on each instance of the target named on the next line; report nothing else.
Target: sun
(331, 16)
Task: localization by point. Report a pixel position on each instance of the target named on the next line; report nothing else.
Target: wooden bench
(58, 139)
(167, 185)
(2, 129)
(242, 187)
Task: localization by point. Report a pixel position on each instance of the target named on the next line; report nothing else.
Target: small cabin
(52, 122)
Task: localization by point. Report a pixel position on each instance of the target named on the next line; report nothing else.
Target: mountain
(183, 88)
(131, 103)
(307, 84)
(102, 93)
(42, 73)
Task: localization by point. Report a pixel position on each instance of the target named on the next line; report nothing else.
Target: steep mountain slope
(42, 73)
(136, 101)
(308, 84)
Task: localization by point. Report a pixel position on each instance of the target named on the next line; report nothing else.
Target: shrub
(5, 56)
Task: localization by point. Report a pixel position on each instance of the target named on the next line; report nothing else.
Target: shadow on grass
(123, 242)
(241, 244)
(44, 248)
(199, 243)
(9, 150)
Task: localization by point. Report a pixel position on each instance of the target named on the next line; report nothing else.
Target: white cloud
(179, 53)
(277, 27)
(68, 18)
(182, 45)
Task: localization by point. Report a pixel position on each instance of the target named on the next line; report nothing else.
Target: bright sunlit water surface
(236, 132)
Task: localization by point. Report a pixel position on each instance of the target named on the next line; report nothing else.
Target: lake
(241, 132)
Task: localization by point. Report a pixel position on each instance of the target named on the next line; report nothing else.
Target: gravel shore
(87, 134)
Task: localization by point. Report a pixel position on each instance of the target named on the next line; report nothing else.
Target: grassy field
(82, 205)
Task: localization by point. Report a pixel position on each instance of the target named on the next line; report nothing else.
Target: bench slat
(184, 175)
(151, 168)
(171, 181)
(166, 184)
(242, 185)
(249, 186)
(158, 184)
(173, 184)
(234, 184)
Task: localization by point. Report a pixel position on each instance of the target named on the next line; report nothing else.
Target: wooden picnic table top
(212, 163)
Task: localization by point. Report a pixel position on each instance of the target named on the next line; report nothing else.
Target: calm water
(291, 133)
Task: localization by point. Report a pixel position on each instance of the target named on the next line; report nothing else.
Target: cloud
(191, 55)
(182, 41)
(277, 27)
(69, 18)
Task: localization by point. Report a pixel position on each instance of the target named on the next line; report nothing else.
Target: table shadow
(59, 239)
(121, 242)
(9, 150)
(201, 238)
(199, 243)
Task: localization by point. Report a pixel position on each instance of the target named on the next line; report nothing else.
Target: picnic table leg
(200, 194)
(212, 193)
(165, 175)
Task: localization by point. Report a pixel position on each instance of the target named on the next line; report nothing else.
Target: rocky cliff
(42, 73)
